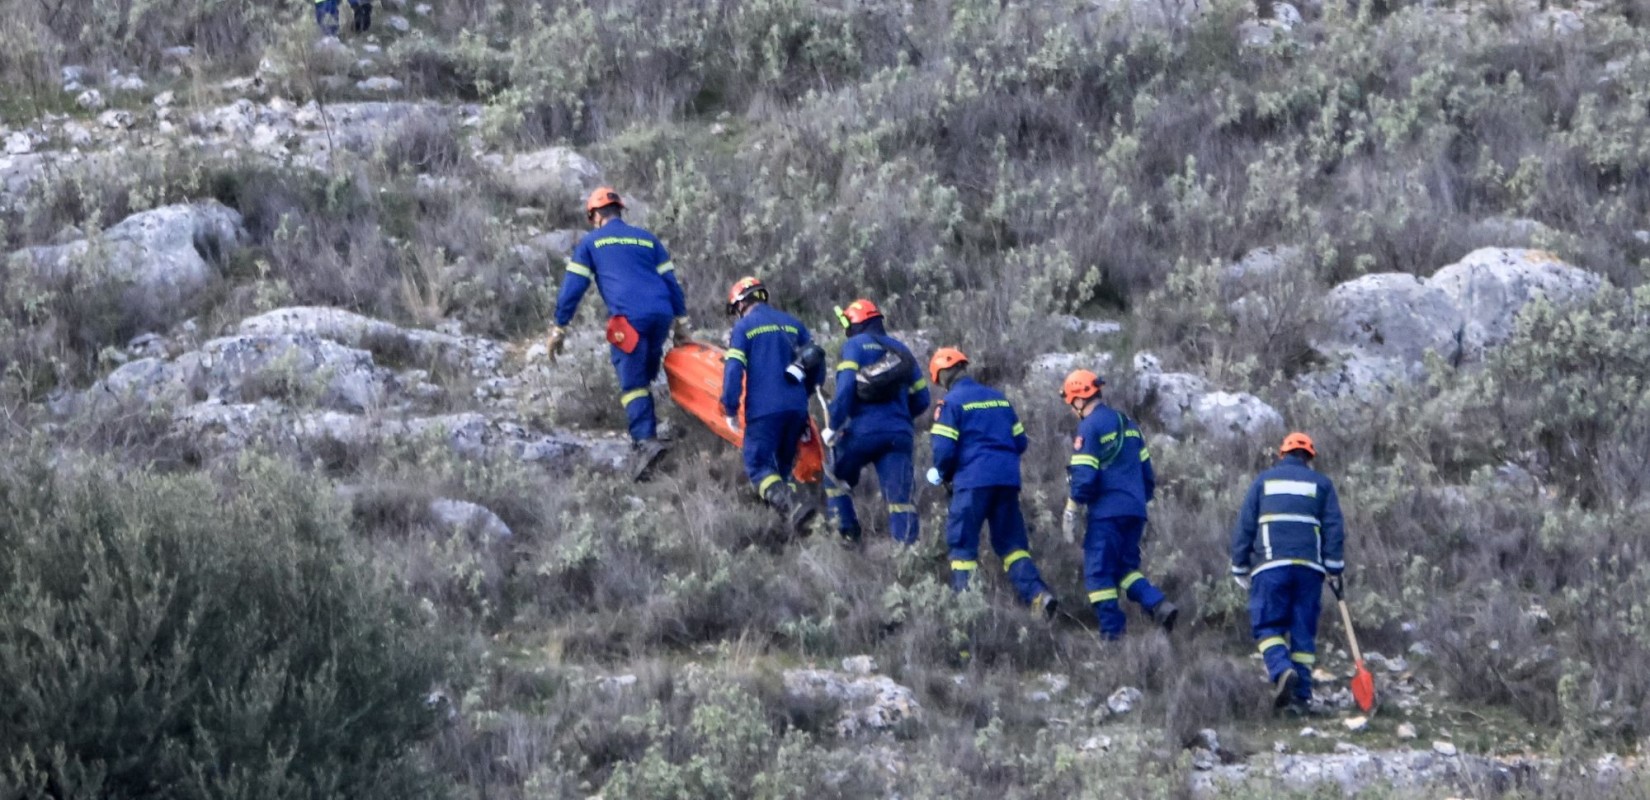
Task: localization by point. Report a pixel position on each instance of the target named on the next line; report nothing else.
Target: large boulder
(1393, 315)
(297, 368)
(1491, 286)
(868, 703)
(554, 173)
(479, 356)
(161, 259)
(1183, 403)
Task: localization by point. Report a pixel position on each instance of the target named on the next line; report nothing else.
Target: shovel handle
(1351, 638)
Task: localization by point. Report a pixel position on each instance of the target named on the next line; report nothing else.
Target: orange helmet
(1298, 441)
(601, 197)
(944, 359)
(858, 311)
(1080, 384)
(746, 288)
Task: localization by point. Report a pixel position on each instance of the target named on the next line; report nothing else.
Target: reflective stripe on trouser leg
(1008, 538)
(839, 503)
(1134, 584)
(896, 476)
(636, 371)
(1306, 601)
(766, 454)
(962, 535)
(1100, 574)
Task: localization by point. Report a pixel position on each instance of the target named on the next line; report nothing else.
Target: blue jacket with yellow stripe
(1111, 468)
(890, 416)
(631, 269)
(1290, 516)
(977, 437)
(764, 342)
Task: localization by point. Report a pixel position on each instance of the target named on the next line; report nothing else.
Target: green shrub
(185, 637)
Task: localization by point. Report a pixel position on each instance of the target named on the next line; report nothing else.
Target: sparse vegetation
(171, 626)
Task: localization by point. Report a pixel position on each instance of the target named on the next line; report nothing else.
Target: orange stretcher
(694, 371)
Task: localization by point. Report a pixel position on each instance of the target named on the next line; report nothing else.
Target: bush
(182, 637)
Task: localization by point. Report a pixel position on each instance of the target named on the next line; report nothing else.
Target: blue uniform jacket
(632, 270)
(977, 437)
(1290, 516)
(891, 416)
(1111, 468)
(763, 343)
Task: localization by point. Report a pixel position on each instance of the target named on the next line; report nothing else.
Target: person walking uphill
(1111, 474)
(978, 441)
(880, 389)
(764, 345)
(636, 279)
(1288, 536)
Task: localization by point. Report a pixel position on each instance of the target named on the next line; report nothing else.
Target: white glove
(1242, 581)
(733, 423)
(934, 476)
(1071, 522)
(828, 436)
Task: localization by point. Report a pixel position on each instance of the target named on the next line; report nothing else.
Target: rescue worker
(326, 16)
(636, 279)
(1288, 536)
(765, 342)
(977, 442)
(1111, 475)
(873, 426)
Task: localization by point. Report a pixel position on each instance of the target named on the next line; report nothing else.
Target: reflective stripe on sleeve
(847, 365)
(580, 270)
(668, 266)
(1085, 461)
(736, 353)
(1019, 429)
(944, 430)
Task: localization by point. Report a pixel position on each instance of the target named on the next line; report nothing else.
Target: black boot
(1165, 614)
(644, 454)
(797, 511)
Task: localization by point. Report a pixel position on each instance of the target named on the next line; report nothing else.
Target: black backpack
(888, 377)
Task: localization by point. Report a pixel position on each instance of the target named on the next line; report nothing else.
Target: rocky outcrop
(1182, 403)
(1377, 330)
(1491, 286)
(552, 173)
(235, 369)
(868, 703)
(160, 260)
(479, 356)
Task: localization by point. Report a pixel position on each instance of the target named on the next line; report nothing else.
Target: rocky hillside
(294, 504)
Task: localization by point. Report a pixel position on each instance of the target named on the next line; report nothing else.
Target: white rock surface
(162, 258)
(551, 173)
(1492, 285)
(466, 517)
(869, 704)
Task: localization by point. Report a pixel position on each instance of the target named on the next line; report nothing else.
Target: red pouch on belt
(621, 334)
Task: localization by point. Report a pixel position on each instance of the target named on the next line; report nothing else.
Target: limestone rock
(869, 704)
(1491, 285)
(551, 173)
(466, 517)
(91, 100)
(161, 259)
(1236, 416)
(1393, 315)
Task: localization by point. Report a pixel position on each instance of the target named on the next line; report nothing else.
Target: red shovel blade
(1363, 688)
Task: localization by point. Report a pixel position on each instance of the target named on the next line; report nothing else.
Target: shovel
(1363, 683)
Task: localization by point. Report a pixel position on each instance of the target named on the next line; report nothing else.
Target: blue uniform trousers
(326, 15)
(637, 371)
(1111, 564)
(999, 507)
(891, 454)
(770, 447)
(1283, 616)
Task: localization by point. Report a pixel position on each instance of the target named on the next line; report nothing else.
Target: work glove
(1071, 522)
(829, 437)
(733, 423)
(681, 330)
(1335, 584)
(554, 341)
(933, 476)
(1241, 580)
